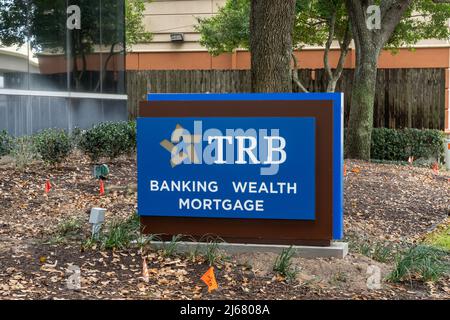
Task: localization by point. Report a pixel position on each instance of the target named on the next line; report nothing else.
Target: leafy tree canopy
(229, 29)
(134, 22)
(424, 19)
(43, 24)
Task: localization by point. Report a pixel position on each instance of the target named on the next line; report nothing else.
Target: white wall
(163, 17)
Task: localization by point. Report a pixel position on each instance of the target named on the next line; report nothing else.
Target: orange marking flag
(356, 170)
(102, 187)
(210, 279)
(48, 186)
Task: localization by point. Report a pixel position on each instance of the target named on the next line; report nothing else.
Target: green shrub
(132, 133)
(378, 251)
(399, 145)
(120, 233)
(76, 136)
(5, 143)
(213, 254)
(283, 264)
(23, 152)
(53, 145)
(421, 262)
(171, 249)
(108, 140)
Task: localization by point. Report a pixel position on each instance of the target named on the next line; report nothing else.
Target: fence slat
(404, 97)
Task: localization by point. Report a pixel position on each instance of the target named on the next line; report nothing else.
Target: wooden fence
(413, 98)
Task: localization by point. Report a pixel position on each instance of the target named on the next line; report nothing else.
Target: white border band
(63, 94)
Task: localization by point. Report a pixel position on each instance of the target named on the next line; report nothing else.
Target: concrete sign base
(336, 250)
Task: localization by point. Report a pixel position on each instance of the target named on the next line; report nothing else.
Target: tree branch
(326, 62)
(391, 14)
(295, 74)
(345, 47)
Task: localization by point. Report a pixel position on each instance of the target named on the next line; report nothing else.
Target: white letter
(272, 149)
(373, 21)
(219, 150)
(154, 185)
(249, 150)
(183, 203)
(74, 18)
(239, 187)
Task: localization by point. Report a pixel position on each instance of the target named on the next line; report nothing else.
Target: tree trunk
(331, 85)
(368, 45)
(360, 124)
(271, 26)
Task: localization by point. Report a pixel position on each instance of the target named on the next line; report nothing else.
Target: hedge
(109, 139)
(5, 143)
(114, 139)
(399, 145)
(53, 145)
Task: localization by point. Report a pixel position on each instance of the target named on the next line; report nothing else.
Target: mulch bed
(382, 202)
(394, 202)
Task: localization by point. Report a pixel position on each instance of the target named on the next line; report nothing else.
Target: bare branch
(391, 12)
(295, 74)
(345, 47)
(326, 62)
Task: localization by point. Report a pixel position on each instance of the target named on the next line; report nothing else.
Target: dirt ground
(390, 204)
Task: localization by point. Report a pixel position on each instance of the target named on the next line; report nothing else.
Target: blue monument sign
(253, 168)
(235, 159)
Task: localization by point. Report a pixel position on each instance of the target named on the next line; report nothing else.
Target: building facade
(62, 64)
(178, 17)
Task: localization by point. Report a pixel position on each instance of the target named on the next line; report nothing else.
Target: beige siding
(163, 17)
(165, 24)
(167, 16)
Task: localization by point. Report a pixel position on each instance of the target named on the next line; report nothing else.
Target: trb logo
(234, 147)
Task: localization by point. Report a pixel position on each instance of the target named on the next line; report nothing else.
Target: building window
(62, 64)
(63, 45)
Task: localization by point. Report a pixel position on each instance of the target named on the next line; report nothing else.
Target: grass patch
(23, 152)
(213, 255)
(171, 249)
(118, 234)
(194, 254)
(283, 264)
(383, 252)
(144, 241)
(421, 262)
(73, 226)
(440, 238)
(71, 229)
